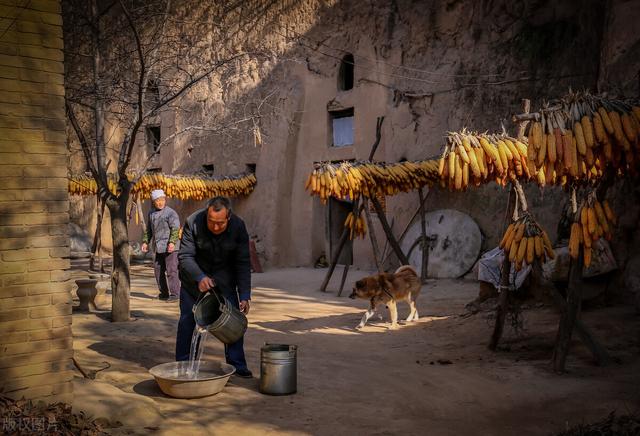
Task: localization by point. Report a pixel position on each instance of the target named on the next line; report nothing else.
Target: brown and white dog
(388, 288)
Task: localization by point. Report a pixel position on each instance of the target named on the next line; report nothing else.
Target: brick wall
(35, 299)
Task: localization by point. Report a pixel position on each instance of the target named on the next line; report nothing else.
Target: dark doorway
(337, 214)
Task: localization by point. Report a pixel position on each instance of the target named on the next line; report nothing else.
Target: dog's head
(369, 287)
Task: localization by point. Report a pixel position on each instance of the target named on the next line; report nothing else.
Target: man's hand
(244, 306)
(145, 247)
(206, 283)
(171, 247)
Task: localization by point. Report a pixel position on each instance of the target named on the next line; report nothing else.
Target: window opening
(342, 127)
(345, 75)
(153, 137)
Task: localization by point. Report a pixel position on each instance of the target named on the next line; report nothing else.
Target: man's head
(218, 214)
(159, 198)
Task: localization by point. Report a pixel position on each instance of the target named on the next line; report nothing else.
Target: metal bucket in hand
(278, 369)
(220, 318)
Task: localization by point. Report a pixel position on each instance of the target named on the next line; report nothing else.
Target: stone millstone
(455, 249)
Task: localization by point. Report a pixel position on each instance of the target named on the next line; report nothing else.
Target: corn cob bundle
(575, 137)
(473, 158)
(352, 179)
(594, 220)
(525, 241)
(357, 226)
(83, 184)
(194, 187)
(175, 186)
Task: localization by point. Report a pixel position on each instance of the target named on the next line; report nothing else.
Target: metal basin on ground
(173, 381)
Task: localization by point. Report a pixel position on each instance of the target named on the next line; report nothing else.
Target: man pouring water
(214, 251)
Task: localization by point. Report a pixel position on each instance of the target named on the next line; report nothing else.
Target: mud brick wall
(35, 294)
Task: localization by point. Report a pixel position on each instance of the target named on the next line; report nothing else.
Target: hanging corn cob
(357, 226)
(524, 241)
(594, 220)
(352, 179)
(574, 138)
(473, 158)
(175, 186)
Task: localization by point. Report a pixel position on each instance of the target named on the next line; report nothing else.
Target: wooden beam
(372, 237)
(424, 243)
(336, 255)
(387, 230)
(600, 353)
(404, 232)
(345, 271)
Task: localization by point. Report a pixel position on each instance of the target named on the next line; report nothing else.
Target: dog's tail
(408, 268)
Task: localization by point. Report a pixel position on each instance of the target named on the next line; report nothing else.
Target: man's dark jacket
(223, 257)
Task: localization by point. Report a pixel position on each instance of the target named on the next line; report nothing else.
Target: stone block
(13, 291)
(13, 315)
(48, 265)
(37, 380)
(12, 267)
(54, 333)
(37, 277)
(32, 253)
(24, 302)
(61, 321)
(50, 288)
(47, 356)
(50, 311)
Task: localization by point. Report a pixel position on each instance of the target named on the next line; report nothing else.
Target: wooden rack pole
(424, 245)
(505, 271)
(345, 233)
(373, 238)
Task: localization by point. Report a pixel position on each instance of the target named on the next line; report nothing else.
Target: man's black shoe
(244, 373)
(163, 297)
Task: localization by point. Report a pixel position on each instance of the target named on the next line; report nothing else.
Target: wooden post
(345, 271)
(505, 272)
(600, 354)
(345, 232)
(503, 289)
(372, 237)
(404, 232)
(336, 255)
(424, 245)
(387, 230)
(569, 316)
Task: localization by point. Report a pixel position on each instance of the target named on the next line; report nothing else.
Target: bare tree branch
(130, 138)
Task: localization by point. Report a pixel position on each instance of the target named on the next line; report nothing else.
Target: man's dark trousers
(234, 353)
(165, 267)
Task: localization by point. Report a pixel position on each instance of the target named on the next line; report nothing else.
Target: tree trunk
(120, 275)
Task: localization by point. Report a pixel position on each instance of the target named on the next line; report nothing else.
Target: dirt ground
(432, 377)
